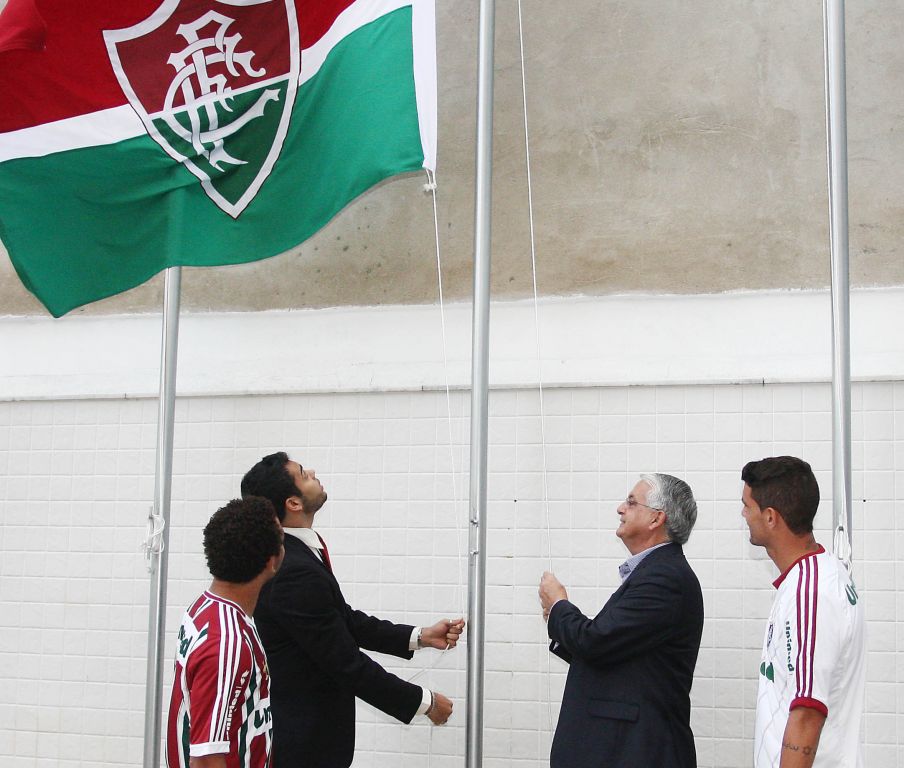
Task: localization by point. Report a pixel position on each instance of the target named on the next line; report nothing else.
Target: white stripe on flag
(425, 83)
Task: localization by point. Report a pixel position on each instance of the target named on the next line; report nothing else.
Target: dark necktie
(326, 554)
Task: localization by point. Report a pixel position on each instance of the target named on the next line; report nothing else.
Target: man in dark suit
(627, 696)
(313, 638)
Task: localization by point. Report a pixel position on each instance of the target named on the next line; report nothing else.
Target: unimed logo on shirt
(788, 644)
(240, 686)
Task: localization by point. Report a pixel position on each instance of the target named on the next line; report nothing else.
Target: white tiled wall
(76, 479)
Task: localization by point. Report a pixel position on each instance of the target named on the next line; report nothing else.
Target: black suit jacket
(313, 641)
(627, 696)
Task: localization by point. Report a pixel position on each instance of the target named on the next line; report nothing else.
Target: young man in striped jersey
(813, 669)
(219, 715)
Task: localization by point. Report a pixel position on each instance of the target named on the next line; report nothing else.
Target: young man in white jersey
(219, 715)
(813, 668)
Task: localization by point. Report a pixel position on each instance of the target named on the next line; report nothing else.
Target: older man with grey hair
(627, 695)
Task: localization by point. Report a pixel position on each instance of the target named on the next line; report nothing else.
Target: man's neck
(244, 594)
(298, 520)
(643, 547)
(788, 552)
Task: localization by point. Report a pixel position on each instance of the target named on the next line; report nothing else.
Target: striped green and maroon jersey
(221, 692)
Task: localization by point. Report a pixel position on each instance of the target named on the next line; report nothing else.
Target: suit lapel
(304, 553)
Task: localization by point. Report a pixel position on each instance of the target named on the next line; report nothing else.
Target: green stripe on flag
(90, 223)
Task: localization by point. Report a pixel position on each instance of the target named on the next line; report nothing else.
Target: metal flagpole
(836, 130)
(480, 337)
(160, 517)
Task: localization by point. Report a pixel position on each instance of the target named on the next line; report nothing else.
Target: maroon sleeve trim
(804, 701)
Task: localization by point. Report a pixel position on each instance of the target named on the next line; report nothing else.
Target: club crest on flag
(214, 82)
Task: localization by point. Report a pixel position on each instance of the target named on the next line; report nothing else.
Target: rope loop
(152, 546)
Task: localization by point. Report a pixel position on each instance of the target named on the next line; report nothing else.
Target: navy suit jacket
(627, 696)
(313, 640)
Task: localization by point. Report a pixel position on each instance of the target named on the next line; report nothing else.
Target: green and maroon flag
(140, 135)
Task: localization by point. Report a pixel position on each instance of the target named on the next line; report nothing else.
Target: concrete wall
(676, 148)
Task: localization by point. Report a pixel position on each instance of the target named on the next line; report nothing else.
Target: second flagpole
(158, 552)
(480, 387)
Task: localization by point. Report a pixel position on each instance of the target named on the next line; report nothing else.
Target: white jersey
(813, 656)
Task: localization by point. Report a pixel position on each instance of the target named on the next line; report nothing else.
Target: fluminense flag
(200, 132)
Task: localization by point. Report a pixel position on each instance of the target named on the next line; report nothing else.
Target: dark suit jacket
(313, 641)
(627, 696)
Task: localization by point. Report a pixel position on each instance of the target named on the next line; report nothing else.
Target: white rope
(841, 546)
(153, 543)
(430, 187)
(533, 263)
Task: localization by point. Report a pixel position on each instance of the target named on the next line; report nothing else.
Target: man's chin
(316, 505)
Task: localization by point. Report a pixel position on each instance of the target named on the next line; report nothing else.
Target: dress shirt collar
(627, 567)
(307, 535)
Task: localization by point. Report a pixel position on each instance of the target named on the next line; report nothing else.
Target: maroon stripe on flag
(73, 76)
(21, 27)
(315, 17)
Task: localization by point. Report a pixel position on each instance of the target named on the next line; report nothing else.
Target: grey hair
(675, 498)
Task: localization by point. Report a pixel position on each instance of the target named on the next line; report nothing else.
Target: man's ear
(294, 504)
(771, 517)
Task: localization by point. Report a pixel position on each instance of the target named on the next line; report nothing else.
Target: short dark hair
(270, 478)
(240, 538)
(788, 485)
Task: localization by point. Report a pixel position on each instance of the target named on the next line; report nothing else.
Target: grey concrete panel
(676, 148)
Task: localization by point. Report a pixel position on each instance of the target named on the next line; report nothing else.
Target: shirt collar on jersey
(818, 551)
(307, 535)
(221, 599)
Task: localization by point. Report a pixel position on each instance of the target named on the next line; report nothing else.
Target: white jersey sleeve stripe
(807, 591)
(217, 704)
(229, 655)
(234, 655)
